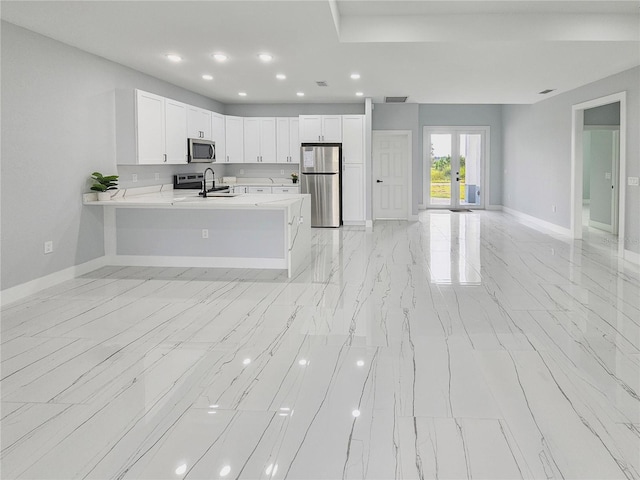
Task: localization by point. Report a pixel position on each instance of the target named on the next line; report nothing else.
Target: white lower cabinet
(238, 189)
(353, 193)
(258, 189)
(285, 189)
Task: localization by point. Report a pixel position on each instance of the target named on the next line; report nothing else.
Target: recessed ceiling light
(300, 94)
(242, 94)
(265, 57)
(173, 57)
(356, 413)
(225, 471)
(220, 57)
(355, 76)
(281, 76)
(359, 94)
(207, 77)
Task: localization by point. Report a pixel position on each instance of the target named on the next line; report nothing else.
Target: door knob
(378, 181)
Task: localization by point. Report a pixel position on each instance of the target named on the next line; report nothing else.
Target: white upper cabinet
(234, 140)
(217, 135)
(175, 131)
(353, 138)
(198, 123)
(321, 128)
(161, 127)
(287, 140)
(260, 140)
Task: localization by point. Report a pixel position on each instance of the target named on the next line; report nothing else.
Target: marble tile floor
(464, 345)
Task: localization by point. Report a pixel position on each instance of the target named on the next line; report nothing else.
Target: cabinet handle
(227, 158)
(165, 157)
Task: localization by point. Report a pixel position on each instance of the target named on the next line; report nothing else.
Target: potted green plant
(294, 177)
(103, 184)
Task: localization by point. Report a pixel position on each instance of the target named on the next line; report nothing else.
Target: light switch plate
(607, 176)
(632, 181)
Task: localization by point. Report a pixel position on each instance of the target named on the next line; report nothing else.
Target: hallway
(464, 345)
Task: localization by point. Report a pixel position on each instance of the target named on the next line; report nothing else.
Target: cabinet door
(353, 138)
(251, 140)
(150, 127)
(285, 190)
(258, 190)
(332, 128)
(198, 123)
(175, 131)
(283, 143)
(353, 193)
(234, 139)
(294, 140)
(268, 140)
(217, 135)
(310, 128)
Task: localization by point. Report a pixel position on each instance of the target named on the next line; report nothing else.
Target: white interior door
(390, 175)
(454, 166)
(601, 153)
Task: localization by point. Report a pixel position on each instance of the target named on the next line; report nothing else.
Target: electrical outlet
(633, 181)
(205, 233)
(134, 177)
(48, 247)
(157, 176)
(300, 220)
(553, 208)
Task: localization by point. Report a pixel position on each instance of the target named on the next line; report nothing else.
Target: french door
(454, 161)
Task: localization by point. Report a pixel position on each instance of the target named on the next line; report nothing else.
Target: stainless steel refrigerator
(320, 166)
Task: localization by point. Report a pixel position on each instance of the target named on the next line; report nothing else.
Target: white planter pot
(104, 196)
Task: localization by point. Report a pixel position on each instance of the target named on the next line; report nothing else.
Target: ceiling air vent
(395, 99)
(322, 83)
(548, 90)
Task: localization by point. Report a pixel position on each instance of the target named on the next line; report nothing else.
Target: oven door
(201, 151)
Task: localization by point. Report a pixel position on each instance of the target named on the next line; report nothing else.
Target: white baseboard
(497, 208)
(413, 218)
(209, 262)
(632, 257)
(18, 292)
(600, 226)
(369, 225)
(357, 223)
(537, 223)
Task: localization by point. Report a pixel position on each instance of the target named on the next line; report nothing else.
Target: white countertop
(170, 198)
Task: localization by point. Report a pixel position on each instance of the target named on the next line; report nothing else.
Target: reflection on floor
(459, 346)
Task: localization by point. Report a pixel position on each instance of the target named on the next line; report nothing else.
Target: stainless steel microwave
(201, 151)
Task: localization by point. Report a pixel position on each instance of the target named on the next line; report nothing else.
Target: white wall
(58, 126)
(537, 153)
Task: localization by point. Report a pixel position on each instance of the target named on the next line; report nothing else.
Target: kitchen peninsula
(157, 226)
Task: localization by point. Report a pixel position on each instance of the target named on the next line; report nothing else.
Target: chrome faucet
(204, 182)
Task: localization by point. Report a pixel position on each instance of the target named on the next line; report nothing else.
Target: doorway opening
(455, 159)
(609, 175)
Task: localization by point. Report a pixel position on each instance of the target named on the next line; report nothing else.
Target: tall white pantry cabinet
(353, 181)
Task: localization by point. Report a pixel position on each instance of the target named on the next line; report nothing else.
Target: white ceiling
(444, 51)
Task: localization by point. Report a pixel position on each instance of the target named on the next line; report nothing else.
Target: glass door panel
(440, 172)
(470, 161)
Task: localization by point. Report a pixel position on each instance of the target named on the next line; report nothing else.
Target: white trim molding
(632, 257)
(32, 287)
(577, 128)
(536, 223)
